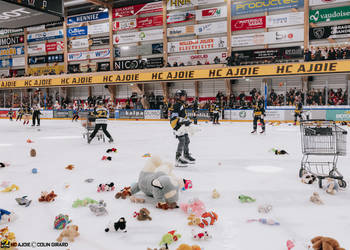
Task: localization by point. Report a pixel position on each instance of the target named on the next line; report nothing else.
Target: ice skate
(262, 131)
(89, 140)
(181, 163)
(253, 132)
(189, 158)
(111, 140)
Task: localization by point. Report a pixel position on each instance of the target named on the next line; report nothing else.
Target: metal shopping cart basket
(88, 123)
(322, 139)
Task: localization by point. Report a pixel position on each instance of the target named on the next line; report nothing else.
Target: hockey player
(216, 113)
(27, 113)
(195, 111)
(298, 110)
(75, 115)
(179, 122)
(259, 113)
(19, 114)
(36, 115)
(10, 114)
(101, 115)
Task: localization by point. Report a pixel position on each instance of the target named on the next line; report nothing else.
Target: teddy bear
(32, 152)
(193, 220)
(315, 198)
(188, 247)
(70, 232)
(215, 194)
(143, 215)
(158, 181)
(331, 186)
(325, 243)
(47, 197)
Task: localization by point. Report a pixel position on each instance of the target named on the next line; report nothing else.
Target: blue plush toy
(4, 212)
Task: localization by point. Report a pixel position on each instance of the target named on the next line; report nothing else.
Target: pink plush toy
(194, 206)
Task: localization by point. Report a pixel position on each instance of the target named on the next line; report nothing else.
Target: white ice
(229, 159)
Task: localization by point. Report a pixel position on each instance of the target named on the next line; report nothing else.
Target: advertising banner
(55, 46)
(248, 39)
(275, 115)
(46, 70)
(46, 114)
(138, 9)
(173, 74)
(14, 51)
(45, 59)
(62, 114)
(99, 54)
(47, 35)
(329, 15)
(248, 23)
(244, 114)
(202, 114)
(189, 60)
(36, 48)
(18, 61)
(78, 56)
(181, 16)
(337, 31)
(178, 4)
(287, 36)
(103, 66)
(134, 37)
(79, 43)
(6, 63)
(131, 114)
(143, 50)
(36, 28)
(139, 63)
(99, 41)
(282, 20)
(323, 2)
(11, 40)
(338, 115)
(84, 55)
(211, 28)
(55, 58)
(137, 23)
(87, 17)
(10, 31)
(207, 14)
(181, 31)
(98, 28)
(197, 44)
(152, 114)
(269, 54)
(256, 6)
(77, 31)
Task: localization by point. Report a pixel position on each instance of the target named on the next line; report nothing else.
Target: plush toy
(4, 164)
(70, 167)
(70, 232)
(187, 185)
(47, 197)
(146, 155)
(106, 158)
(99, 209)
(169, 238)
(245, 199)
(30, 141)
(5, 184)
(188, 247)
(290, 244)
(23, 201)
(157, 180)
(208, 218)
(7, 239)
(308, 178)
(115, 226)
(11, 188)
(32, 152)
(89, 180)
(135, 199)
(61, 221)
(325, 243)
(201, 236)
(111, 150)
(265, 209)
(215, 194)
(142, 215)
(331, 186)
(265, 221)
(279, 152)
(7, 216)
(315, 198)
(125, 192)
(83, 203)
(193, 220)
(106, 187)
(194, 206)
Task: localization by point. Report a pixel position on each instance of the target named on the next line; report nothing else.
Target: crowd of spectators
(325, 53)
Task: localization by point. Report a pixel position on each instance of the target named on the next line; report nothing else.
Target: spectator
(307, 55)
(217, 60)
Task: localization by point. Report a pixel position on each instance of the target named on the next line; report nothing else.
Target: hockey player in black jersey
(216, 113)
(101, 118)
(179, 122)
(259, 113)
(298, 110)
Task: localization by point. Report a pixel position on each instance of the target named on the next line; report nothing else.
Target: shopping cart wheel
(302, 172)
(342, 183)
(320, 182)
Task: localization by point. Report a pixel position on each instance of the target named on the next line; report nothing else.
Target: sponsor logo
(318, 32)
(179, 3)
(242, 114)
(315, 16)
(13, 14)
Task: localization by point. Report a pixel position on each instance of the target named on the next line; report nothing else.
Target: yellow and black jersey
(178, 114)
(216, 109)
(27, 111)
(211, 108)
(259, 108)
(101, 115)
(298, 108)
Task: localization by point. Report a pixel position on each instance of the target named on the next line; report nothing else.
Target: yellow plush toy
(193, 220)
(188, 247)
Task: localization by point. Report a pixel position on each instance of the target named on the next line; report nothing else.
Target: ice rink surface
(229, 159)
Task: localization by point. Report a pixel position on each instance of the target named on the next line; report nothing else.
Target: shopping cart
(324, 139)
(88, 123)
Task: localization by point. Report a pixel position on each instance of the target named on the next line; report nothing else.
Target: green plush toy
(83, 203)
(246, 199)
(169, 238)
